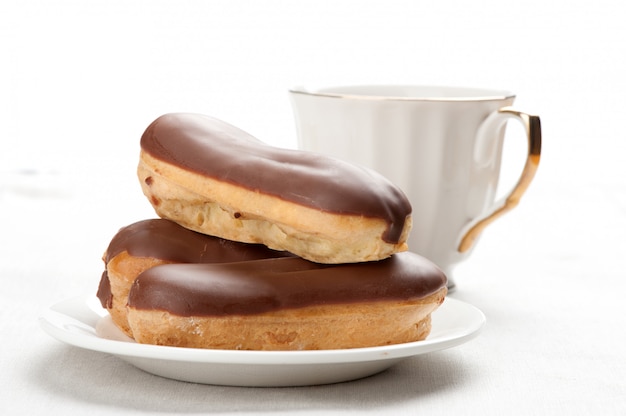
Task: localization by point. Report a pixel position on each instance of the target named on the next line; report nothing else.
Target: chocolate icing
(218, 150)
(166, 240)
(259, 286)
(104, 291)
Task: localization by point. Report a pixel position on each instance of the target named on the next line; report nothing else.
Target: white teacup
(441, 145)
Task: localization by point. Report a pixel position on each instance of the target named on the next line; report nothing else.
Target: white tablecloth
(549, 276)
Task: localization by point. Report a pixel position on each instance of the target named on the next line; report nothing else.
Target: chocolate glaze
(258, 286)
(104, 291)
(165, 240)
(218, 150)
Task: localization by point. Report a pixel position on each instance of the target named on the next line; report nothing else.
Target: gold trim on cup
(366, 93)
(532, 125)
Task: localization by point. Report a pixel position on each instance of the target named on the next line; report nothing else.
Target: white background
(80, 81)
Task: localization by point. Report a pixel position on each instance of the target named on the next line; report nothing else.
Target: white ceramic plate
(83, 323)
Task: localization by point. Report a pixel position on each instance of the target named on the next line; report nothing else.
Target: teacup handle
(486, 134)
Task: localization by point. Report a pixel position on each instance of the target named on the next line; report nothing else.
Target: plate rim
(74, 320)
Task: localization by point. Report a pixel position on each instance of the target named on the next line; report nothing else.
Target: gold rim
(533, 131)
(478, 94)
